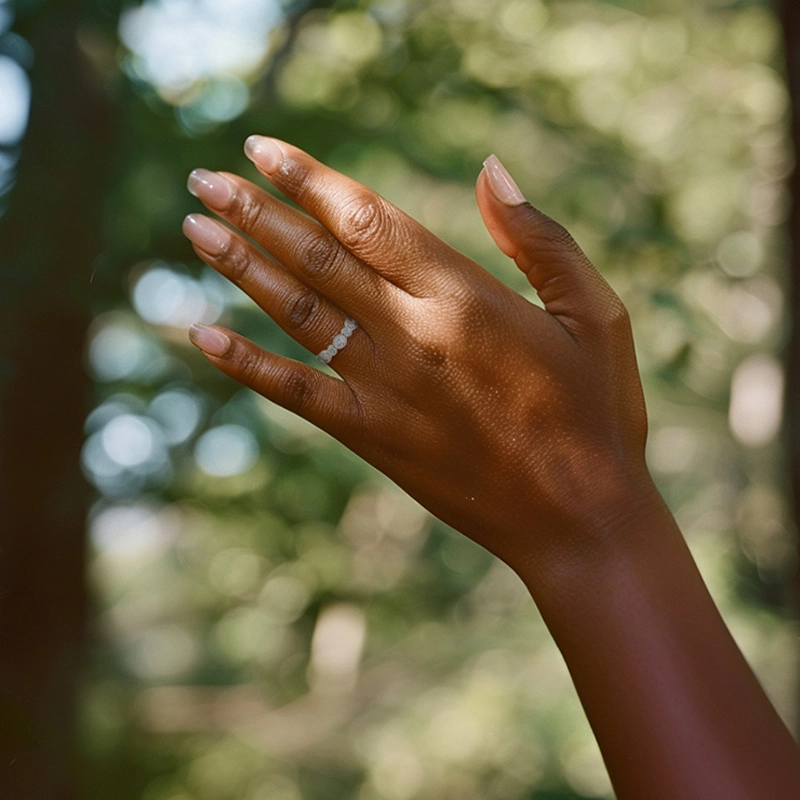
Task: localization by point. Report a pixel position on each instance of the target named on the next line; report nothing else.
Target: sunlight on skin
(447, 341)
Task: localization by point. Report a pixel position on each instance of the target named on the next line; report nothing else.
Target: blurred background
(204, 598)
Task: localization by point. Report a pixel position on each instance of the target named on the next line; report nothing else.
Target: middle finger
(303, 246)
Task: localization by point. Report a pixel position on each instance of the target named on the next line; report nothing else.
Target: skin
(524, 428)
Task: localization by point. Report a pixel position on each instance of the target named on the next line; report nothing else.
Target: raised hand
(523, 428)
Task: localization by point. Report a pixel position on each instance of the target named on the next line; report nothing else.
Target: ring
(339, 341)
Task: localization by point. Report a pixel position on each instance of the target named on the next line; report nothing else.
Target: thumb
(564, 278)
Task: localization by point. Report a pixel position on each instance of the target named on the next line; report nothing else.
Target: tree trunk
(48, 242)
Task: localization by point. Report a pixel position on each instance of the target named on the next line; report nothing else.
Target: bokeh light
(15, 91)
(197, 53)
(15, 58)
(336, 648)
(121, 349)
(226, 450)
(178, 411)
(166, 296)
(126, 450)
(132, 532)
(756, 400)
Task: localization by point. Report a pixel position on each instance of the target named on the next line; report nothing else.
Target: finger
(300, 244)
(566, 281)
(323, 400)
(307, 316)
(366, 224)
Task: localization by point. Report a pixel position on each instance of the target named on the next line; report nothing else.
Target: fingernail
(211, 187)
(207, 234)
(209, 340)
(502, 184)
(265, 152)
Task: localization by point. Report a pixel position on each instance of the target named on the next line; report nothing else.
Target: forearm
(676, 710)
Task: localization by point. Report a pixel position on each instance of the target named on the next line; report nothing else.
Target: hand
(521, 427)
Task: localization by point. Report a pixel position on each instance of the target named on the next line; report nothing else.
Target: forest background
(204, 598)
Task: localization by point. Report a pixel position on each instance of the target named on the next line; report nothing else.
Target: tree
(50, 240)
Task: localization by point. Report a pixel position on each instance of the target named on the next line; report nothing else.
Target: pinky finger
(325, 401)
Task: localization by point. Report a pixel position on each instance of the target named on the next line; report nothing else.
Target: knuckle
(436, 351)
(246, 209)
(238, 263)
(302, 309)
(292, 177)
(364, 220)
(473, 309)
(297, 390)
(320, 253)
(617, 315)
(250, 366)
(557, 234)
(432, 356)
(429, 353)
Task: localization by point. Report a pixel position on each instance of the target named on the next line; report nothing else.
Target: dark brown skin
(523, 428)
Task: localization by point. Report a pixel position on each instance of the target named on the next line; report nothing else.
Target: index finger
(370, 227)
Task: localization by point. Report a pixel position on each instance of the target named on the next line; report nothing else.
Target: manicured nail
(501, 183)
(207, 234)
(209, 340)
(211, 187)
(265, 152)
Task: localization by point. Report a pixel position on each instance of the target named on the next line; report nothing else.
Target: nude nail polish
(502, 184)
(209, 340)
(207, 234)
(265, 152)
(212, 188)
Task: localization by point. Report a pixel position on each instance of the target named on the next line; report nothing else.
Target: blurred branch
(268, 86)
(280, 731)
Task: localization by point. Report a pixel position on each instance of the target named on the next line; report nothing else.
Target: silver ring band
(339, 341)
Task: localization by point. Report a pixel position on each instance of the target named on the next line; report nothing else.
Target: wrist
(659, 676)
(619, 525)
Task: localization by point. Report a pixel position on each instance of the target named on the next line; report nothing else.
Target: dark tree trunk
(48, 242)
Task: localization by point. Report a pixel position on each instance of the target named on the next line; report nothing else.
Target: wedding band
(339, 341)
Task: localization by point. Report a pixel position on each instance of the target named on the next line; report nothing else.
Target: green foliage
(275, 620)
